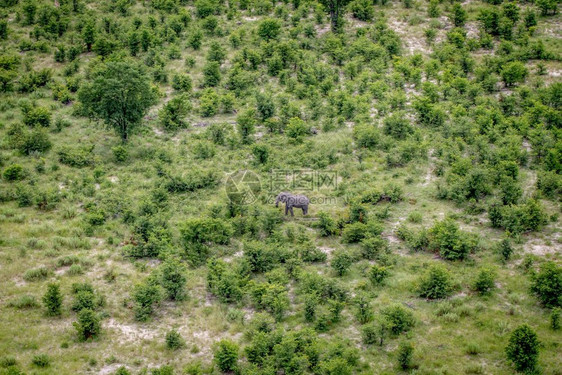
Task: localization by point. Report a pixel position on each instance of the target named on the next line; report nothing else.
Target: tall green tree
(119, 94)
(336, 8)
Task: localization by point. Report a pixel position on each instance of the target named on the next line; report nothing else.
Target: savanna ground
(80, 216)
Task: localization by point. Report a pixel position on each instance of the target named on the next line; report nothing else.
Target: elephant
(290, 200)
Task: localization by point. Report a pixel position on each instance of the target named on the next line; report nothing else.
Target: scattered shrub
(174, 340)
(226, 355)
(547, 285)
(88, 325)
(436, 283)
(523, 348)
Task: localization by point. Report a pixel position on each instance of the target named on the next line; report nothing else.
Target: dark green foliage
(436, 283)
(88, 325)
(547, 285)
(146, 295)
(529, 216)
(514, 72)
(555, 319)
(341, 262)
(196, 234)
(523, 348)
(245, 123)
(226, 355)
(336, 9)
(398, 319)
(378, 274)
(405, 354)
(269, 28)
(485, 281)
(36, 116)
(261, 153)
(326, 224)
(362, 10)
(53, 300)
(14, 172)
(182, 82)
(358, 231)
(173, 279)
(211, 74)
(120, 153)
(173, 113)
(174, 341)
(397, 125)
(363, 309)
(505, 249)
(41, 360)
(451, 243)
(459, 15)
(119, 94)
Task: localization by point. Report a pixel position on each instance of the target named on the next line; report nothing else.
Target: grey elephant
(290, 200)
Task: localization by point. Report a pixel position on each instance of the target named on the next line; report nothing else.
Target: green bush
(245, 123)
(226, 355)
(36, 274)
(76, 156)
(341, 262)
(451, 243)
(547, 285)
(378, 274)
(146, 295)
(88, 325)
(53, 300)
(37, 116)
(173, 279)
(363, 10)
(297, 129)
(120, 153)
(41, 360)
(555, 319)
(269, 29)
(436, 283)
(405, 354)
(174, 340)
(356, 232)
(14, 172)
(523, 348)
(485, 281)
(398, 319)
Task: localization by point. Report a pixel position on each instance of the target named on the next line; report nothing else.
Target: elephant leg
(292, 213)
(305, 210)
(286, 209)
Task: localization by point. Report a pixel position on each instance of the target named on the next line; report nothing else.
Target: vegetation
(143, 143)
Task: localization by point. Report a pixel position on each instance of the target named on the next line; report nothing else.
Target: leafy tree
(265, 106)
(485, 281)
(555, 319)
(326, 224)
(261, 153)
(173, 112)
(523, 348)
(459, 15)
(146, 295)
(364, 310)
(269, 29)
(88, 325)
(436, 283)
(547, 285)
(174, 340)
(341, 262)
(89, 34)
(377, 274)
(173, 279)
(398, 319)
(53, 300)
(514, 72)
(547, 6)
(119, 94)
(226, 355)
(405, 354)
(362, 10)
(3, 29)
(245, 122)
(211, 74)
(297, 129)
(452, 244)
(397, 125)
(336, 9)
